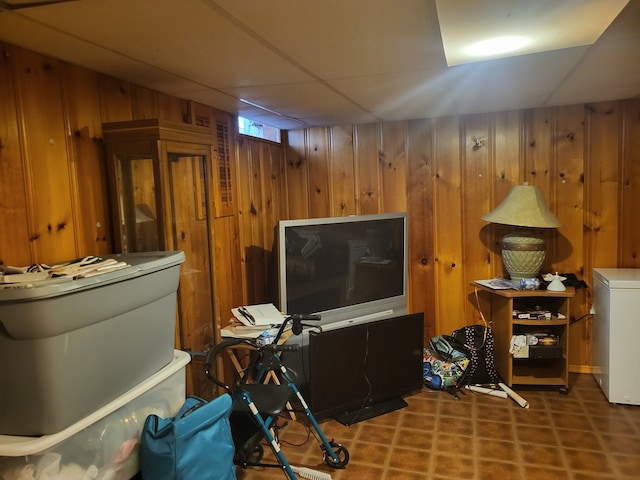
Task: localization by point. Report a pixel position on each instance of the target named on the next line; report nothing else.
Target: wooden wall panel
(273, 182)
(367, 151)
(538, 164)
(144, 103)
(246, 214)
(539, 150)
(115, 100)
(343, 178)
(261, 200)
(256, 255)
(568, 188)
(449, 272)
(476, 180)
(601, 207)
(269, 196)
(319, 173)
(507, 169)
(243, 203)
(227, 270)
(568, 194)
(630, 233)
(14, 234)
(45, 150)
(172, 108)
(420, 191)
(297, 174)
(276, 179)
(602, 186)
(87, 160)
(393, 166)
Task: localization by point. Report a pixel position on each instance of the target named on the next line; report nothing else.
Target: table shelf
(529, 371)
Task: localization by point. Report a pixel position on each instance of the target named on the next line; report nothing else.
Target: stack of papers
(265, 314)
(497, 283)
(242, 331)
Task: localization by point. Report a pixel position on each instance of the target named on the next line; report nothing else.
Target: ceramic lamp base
(523, 254)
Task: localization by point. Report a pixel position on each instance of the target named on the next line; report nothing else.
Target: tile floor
(579, 436)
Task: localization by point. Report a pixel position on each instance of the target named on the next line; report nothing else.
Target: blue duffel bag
(195, 444)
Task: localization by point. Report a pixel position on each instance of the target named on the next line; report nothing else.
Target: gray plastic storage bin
(67, 349)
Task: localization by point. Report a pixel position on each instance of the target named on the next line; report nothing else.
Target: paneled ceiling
(299, 63)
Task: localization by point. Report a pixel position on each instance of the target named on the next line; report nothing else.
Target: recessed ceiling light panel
(497, 46)
(545, 25)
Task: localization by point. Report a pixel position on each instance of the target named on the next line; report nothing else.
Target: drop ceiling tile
(221, 100)
(194, 41)
(335, 118)
(31, 35)
(337, 38)
(611, 69)
(302, 100)
(472, 88)
(398, 96)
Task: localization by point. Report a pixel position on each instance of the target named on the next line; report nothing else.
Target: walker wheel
(251, 457)
(341, 452)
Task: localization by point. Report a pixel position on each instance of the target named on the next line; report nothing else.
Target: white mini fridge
(616, 331)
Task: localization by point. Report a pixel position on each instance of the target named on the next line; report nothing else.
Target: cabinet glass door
(137, 204)
(190, 233)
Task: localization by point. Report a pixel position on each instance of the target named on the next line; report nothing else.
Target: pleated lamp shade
(523, 251)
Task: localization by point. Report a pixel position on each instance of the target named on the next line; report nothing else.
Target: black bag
(480, 344)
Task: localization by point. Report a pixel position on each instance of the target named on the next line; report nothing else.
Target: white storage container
(67, 349)
(103, 445)
(616, 329)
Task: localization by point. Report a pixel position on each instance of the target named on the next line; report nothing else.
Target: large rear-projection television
(347, 269)
(365, 353)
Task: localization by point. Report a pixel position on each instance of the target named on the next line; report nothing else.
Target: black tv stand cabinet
(371, 411)
(364, 369)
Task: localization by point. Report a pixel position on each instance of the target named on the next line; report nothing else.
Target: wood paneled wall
(448, 172)
(445, 172)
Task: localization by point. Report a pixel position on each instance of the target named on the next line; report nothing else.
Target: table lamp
(524, 249)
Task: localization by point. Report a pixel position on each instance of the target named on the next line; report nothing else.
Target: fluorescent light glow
(497, 46)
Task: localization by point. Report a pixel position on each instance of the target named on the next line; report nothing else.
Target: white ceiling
(318, 62)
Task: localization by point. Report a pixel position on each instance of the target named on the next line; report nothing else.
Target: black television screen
(344, 268)
(362, 370)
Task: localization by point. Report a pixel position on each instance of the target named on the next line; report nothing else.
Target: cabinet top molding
(156, 129)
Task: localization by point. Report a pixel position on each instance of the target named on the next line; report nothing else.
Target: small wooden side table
(539, 370)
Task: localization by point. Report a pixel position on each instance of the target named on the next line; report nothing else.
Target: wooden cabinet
(541, 365)
(161, 187)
